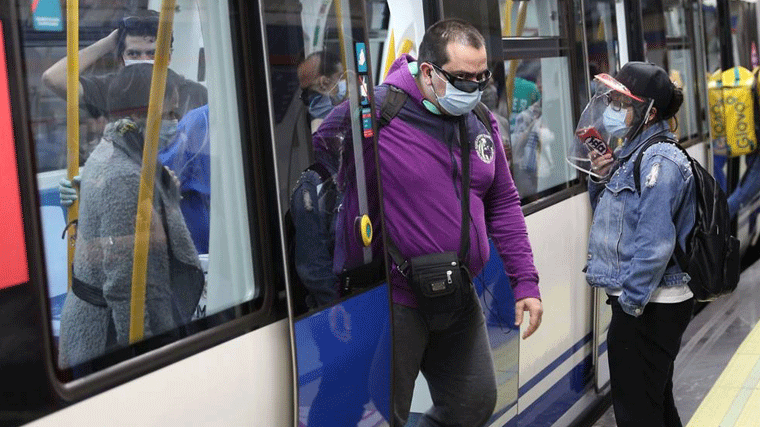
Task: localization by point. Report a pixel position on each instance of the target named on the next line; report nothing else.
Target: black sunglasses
(135, 22)
(465, 85)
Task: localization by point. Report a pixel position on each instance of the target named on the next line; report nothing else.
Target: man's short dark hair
(440, 34)
(129, 91)
(142, 23)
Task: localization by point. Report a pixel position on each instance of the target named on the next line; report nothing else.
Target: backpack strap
(394, 100)
(321, 170)
(637, 163)
(482, 112)
(678, 253)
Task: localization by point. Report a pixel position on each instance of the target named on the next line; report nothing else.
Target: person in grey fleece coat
(96, 314)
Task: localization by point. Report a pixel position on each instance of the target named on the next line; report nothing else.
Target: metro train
(253, 352)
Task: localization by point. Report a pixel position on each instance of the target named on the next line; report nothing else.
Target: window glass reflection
(198, 260)
(681, 71)
(320, 72)
(540, 122)
(601, 35)
(529, 18)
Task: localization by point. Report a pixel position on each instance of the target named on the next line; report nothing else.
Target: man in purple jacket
(420, 168)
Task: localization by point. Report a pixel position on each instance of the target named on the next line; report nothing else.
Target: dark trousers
(453, 353)
(641, 355)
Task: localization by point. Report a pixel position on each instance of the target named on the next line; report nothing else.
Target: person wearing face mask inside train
(425, 206)
(185, 149)
(96, 313)
(133, 42)
(323, 84)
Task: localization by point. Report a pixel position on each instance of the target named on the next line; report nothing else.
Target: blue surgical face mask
(457, 102)
(614, 121)
(167, 132)
(320, 106)
(341, 90)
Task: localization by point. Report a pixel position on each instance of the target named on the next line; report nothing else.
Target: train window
(539, 122)
(682, 46)
(191, 264)
(711, 35)
(601, 37)
(320, 67)
(682, 71)
(521, 18)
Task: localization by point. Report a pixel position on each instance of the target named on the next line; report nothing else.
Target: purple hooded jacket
(419, 158)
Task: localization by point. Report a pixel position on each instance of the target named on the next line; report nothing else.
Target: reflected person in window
(96, 315)
(323, 85)
(133, 42)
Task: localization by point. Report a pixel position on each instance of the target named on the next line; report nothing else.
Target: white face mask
(457, 102)
(128, 62)
(167, 132)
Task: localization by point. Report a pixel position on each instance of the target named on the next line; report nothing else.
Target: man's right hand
(67, 192)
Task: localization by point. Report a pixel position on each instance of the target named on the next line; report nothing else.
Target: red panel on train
(15, 269)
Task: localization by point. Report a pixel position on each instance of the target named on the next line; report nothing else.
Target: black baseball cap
(647, 80)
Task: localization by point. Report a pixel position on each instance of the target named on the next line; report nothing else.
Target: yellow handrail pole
(506, 26)
(148, 172)
(341, 38)
(72, 119)
(513, 63)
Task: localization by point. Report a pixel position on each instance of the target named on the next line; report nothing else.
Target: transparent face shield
(613, 116)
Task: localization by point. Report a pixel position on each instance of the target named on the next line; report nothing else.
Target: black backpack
(712, 255)
(392, 103)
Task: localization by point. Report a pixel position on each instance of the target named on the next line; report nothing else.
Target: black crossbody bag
(441, 281)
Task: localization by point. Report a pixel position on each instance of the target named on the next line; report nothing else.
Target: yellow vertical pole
(391, 56)
(148, 172)
(520, 25)
(72, 119)
(506, 25)
(341, 37)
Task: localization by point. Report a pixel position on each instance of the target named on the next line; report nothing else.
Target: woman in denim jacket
(632, 239)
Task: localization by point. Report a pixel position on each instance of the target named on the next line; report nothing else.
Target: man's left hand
(536, 310)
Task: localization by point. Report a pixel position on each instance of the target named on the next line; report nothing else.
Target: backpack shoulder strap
(637, 162)
(320, 169)
(394, 100)
(678, 255)
(482, 112)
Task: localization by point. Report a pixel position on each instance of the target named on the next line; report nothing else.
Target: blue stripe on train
(552, 404)
(552, 366)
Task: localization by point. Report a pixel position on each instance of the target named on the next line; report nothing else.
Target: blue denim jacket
(633, 236)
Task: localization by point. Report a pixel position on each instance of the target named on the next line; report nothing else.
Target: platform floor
(718, 366)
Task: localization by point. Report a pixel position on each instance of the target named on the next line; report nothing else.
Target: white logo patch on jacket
(485, 148)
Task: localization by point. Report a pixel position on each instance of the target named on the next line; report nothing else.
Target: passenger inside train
(96, 314)
(323, 84)
(316, 197)
(133, 42)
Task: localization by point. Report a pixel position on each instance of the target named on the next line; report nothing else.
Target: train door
(320, 63)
